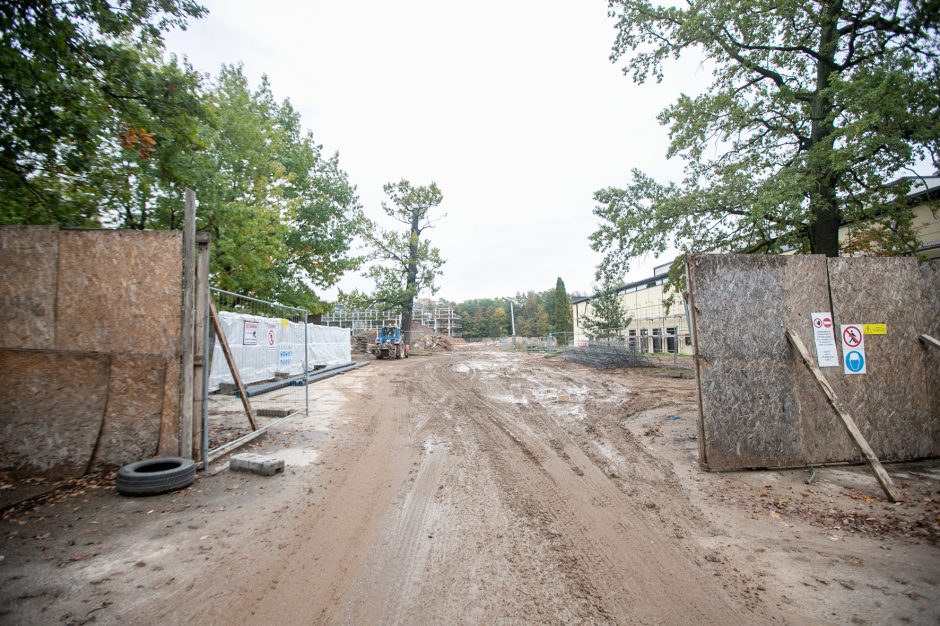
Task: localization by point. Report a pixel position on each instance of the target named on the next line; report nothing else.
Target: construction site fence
(265, 348)
(271, 346)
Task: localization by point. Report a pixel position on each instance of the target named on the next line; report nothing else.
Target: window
(657, 340)
(632, 335)
(671, 341)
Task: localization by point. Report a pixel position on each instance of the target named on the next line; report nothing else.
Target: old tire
(154, 476)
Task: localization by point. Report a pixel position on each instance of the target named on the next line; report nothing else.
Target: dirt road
(476, 487)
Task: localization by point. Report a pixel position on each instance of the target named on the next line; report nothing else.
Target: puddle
(510, 399)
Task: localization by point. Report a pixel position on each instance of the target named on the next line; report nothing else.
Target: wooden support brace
(880, 474)
(930, 341)
(217, 325)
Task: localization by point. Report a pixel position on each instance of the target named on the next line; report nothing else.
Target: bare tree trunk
(824, 208)
(407, 309)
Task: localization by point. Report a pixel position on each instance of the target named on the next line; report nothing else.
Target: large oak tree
(813, 108)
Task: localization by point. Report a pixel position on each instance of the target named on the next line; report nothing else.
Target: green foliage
(607, 318)
(531, 314)
(405, 264)
(99, 130)
(485, 317)
(281, 215)
(82, 81)
(562, 322)
(813, 107)
(537, 313)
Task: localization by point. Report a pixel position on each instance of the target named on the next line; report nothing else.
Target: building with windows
(654, 326)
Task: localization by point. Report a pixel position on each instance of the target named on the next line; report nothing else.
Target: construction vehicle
(389, 343)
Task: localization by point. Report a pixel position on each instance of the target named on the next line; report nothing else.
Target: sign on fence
(827, 354)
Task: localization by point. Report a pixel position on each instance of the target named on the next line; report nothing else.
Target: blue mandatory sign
(854, 361)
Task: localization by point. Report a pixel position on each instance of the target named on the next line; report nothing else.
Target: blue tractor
(389, 343)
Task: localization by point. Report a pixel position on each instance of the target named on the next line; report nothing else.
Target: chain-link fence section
(268, 344)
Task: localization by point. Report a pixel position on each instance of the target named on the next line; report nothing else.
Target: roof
(622, 288)
(922, 186)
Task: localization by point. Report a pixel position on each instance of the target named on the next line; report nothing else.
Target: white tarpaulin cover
(264, 347)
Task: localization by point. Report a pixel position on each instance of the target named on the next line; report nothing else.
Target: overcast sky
(513, 108)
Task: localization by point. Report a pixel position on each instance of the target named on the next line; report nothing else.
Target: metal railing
(269, 344)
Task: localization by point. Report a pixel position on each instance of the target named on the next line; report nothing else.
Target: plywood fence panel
(51, 406)
(749, 400)
(131, 427)
(90, 339)
(28, 259)
(120, 291)
(889, 402)
(760, 407)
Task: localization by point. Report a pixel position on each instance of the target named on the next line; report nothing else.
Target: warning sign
(875, 329)
(250, 333)
(852, 335)
(853, 349)
(827, 354)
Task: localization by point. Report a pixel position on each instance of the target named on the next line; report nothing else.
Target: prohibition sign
(852, 336)
(272, 337)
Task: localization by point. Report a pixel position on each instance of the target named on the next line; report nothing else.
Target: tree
(282, 216)
(562, 304)
(532, 319)
(485, 317)
(407, 264)
(607, 318)
(813, 108)
(83, 86)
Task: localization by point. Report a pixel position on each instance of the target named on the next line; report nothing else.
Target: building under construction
(439, 316)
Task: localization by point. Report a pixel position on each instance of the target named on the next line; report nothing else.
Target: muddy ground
(483, 487)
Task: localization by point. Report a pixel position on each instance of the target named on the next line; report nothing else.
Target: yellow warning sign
(284, 323)
(875, 329)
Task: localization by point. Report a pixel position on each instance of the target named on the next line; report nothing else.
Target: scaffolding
(440, 317)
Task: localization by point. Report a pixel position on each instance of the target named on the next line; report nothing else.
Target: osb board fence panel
(120, 291)
(749, 399)
(90, 354)
(759, 406)
(28, 259)
(889, 403)
(51, 406)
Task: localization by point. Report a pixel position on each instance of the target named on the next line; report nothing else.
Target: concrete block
(256, 464)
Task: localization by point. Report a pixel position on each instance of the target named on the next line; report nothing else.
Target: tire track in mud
(615, 564)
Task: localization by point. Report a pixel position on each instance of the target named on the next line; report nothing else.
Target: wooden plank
(217, 325)
(880, 474)
(199, 358)
(189, 288)
(930, 341)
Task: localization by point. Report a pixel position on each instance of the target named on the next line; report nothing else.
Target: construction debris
(256, 464)
(607, 355)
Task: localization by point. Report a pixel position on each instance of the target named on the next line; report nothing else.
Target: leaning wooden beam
(217, 325)
(930, 341)
(880, 474)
